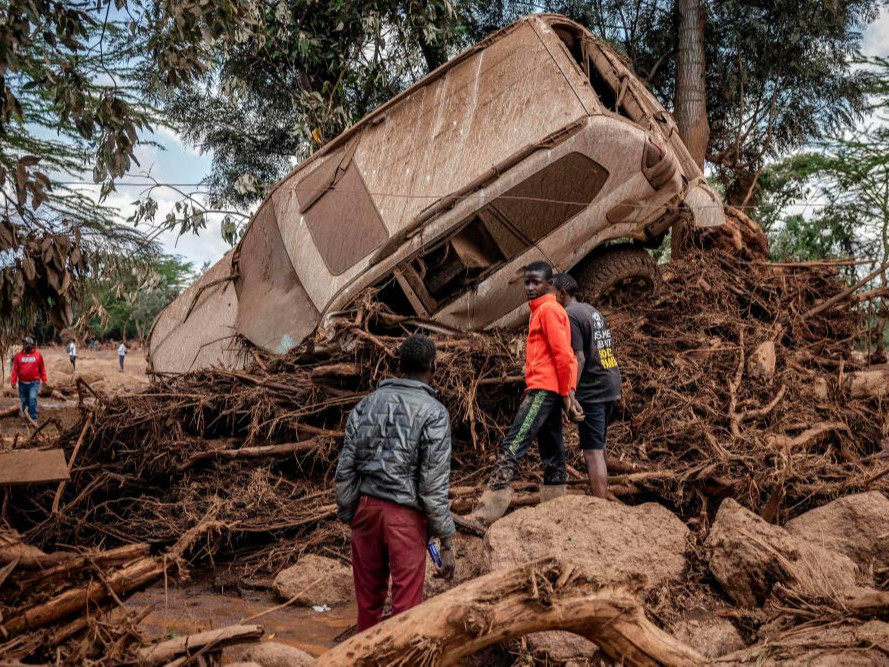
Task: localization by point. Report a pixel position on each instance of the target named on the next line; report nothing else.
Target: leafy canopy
(779, 75)
(76, 83)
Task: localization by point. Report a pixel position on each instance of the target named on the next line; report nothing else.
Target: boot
(491, 506)
(552, 491)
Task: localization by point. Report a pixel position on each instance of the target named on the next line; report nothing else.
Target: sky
(175, 162)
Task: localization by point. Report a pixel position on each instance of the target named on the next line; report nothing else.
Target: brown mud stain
(195, 607)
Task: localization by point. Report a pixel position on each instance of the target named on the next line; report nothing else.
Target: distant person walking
(598, 379)
(121, 355)
(72, 354)
(28, 371)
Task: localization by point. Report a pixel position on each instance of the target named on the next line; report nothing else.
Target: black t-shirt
(600, 379)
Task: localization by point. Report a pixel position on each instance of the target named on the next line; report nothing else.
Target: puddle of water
(195, 607)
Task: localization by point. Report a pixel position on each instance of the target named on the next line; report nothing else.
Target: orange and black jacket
(550, 362)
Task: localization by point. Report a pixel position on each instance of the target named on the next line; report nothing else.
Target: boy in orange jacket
(550, 381)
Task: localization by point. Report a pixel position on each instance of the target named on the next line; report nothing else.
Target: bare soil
(98, 368)
(205, 604)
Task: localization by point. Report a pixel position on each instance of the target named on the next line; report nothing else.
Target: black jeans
(540, 416)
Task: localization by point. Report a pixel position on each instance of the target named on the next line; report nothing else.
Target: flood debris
(640, 547)
(32, 466)
(236, 464)
(197, 645)
(541, 595)
(67, 606)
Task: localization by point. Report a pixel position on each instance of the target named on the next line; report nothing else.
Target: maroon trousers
(387, 538)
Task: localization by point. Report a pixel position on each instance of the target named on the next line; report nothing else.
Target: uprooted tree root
(240, 463)
(696, 426)
(543, 595)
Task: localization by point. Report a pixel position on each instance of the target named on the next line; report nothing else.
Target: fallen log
(867, 602)
(341, 371)
(249, 452)
(123, 581)
(162, 653)
(75, 562)
(870, 383)
(14, 411)
(546, 594)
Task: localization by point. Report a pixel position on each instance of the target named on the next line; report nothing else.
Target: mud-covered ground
(98, 368)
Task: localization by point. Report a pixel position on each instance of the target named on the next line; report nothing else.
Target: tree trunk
(546, 594)
(132, 577)
(434, 53)
(691, 92)
(690, 104)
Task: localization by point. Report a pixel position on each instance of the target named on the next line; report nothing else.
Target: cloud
(875, 41)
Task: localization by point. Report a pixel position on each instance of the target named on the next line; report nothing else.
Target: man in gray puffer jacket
(392, 485)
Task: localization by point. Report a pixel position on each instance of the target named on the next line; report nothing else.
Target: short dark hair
(540, 267)
(416, 354)
(564, 281)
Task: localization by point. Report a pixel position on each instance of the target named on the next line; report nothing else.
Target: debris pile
(771, 582)
(246, 457)
(52, 604)
(743, 380)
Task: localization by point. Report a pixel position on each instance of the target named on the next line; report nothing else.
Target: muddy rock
(749, 557)
(302, 580)
(471, 564)
(708, 634)
(858, 645)
(645, 544)
(563, 648)
(276, 654)
(244, 664)
(761, 363)
(856, 526)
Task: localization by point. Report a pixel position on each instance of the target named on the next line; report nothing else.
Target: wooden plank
(416, 300)
(32, 466)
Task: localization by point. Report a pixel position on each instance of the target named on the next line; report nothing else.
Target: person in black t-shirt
(598, 379)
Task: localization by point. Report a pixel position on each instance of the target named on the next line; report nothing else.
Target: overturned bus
(537, 143)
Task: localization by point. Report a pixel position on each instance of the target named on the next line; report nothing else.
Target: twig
(289, 602)
(845, 293)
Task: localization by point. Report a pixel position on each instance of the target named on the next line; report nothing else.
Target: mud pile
(752, 580)
(742, 380)
(248, 456)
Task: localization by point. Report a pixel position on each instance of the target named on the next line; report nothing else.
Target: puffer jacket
(398, 447)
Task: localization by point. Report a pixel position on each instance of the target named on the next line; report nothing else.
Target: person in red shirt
(550, 380)
(28, 371)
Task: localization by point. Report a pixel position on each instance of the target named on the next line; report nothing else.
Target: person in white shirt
(72, 353)
(121, 354)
